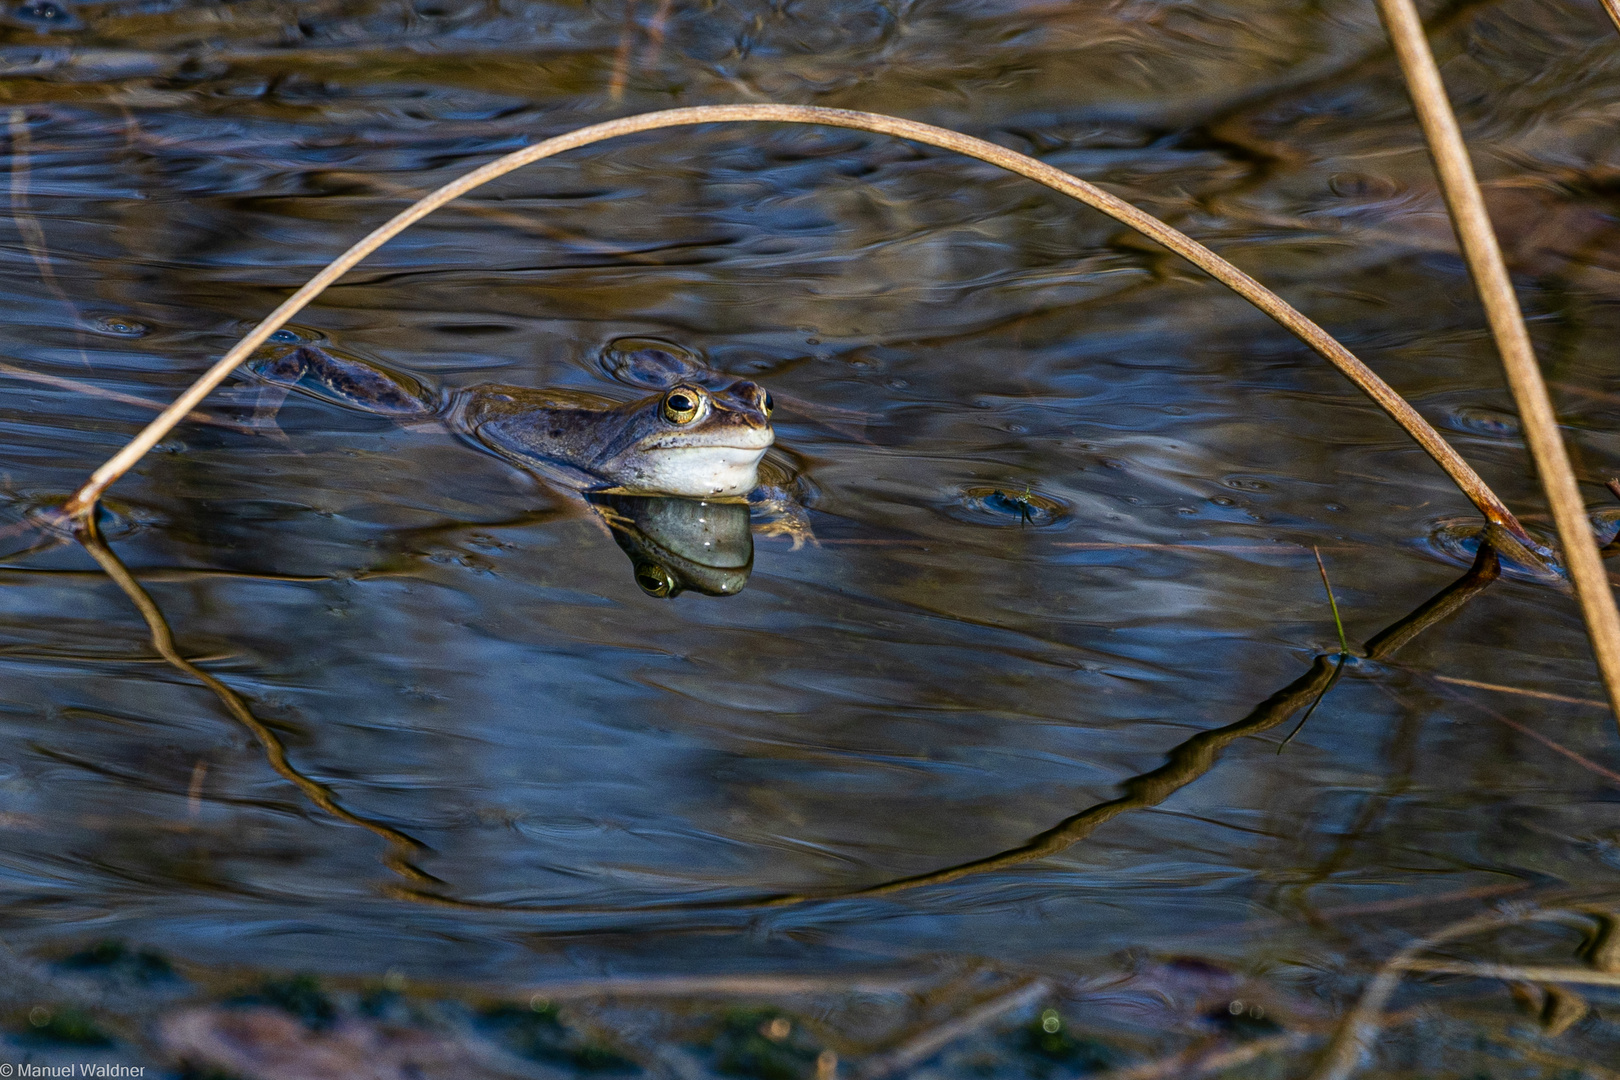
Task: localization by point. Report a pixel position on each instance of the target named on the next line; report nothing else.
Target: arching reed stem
(1485, 262)
(1307, 331)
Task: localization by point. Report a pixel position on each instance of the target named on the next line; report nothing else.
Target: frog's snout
(752, 394)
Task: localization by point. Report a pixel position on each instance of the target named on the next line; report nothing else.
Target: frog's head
(694, 440)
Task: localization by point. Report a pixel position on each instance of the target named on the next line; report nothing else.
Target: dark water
(604, 782)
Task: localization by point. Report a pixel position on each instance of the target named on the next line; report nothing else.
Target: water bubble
(1246, 483)
(1481, 420)
(291, 334)
(1007, 507)
(650, 363)
(115, 518)
(118, 326)
(45, 12)
(1348, 185)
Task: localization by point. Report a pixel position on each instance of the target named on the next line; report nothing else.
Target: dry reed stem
(722, 986)
(1307, 331)
(1359, 1029)
(1613, 8)
(1536, 973)
(1541, 695)
(1196, 1062)
(1484, 256)
(402, 846)
(1531, 733)
(920, 1048)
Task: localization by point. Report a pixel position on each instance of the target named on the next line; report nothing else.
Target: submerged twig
(32, 235)
(655, 32)
(924, 1046)
(1359, 1029)
(621, 55)
(1492, 507)
(1542, 695)
(1538, 973)
(1531, 733)
(509, 218)
(114, 395)
(1485, 262)
(403, 846)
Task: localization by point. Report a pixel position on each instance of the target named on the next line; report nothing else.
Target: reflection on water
(679, 544)
(1063, 492)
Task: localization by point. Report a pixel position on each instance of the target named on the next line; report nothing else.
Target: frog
(700, 435)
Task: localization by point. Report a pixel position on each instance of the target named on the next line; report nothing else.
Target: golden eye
(769, 403)
(654, 580)
(680, 407)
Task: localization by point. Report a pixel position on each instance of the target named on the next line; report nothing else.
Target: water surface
(605, 782)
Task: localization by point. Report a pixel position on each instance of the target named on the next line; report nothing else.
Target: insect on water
(1024, 502)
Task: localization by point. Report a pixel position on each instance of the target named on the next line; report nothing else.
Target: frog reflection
(678, 544)
(701, 436)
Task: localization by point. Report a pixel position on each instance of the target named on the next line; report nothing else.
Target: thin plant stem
(1484, 257)
(1492, 507)
(1338, 623)
(1344, 650)
(1542, 695)
(1531, 733)
(929, 1043)
(1613, 8)
(113, 395)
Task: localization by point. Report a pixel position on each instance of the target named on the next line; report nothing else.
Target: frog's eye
(680, 406)
(769, 403)
(654, 580)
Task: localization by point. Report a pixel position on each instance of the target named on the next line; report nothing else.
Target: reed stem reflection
(1186, 763)
(1196, 756)
(401, 846)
